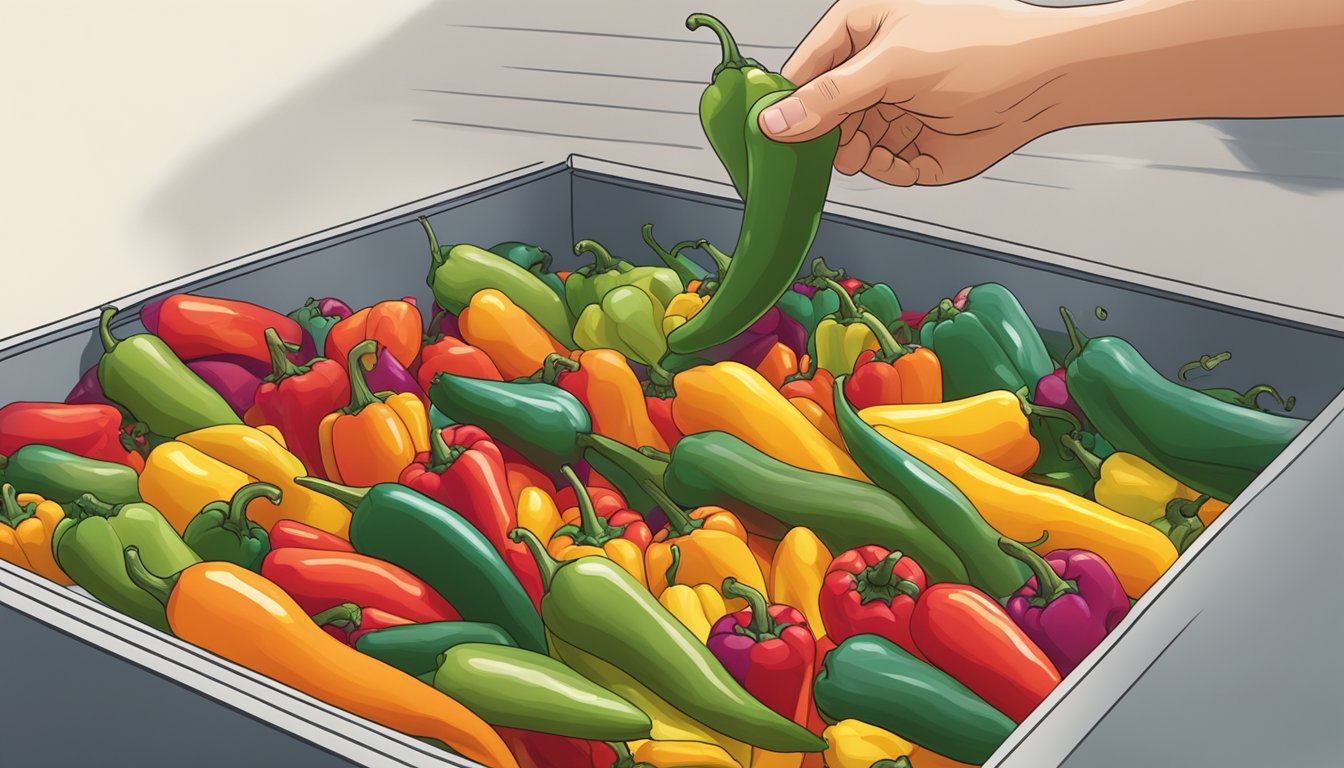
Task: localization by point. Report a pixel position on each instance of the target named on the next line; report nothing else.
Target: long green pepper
(63, 477)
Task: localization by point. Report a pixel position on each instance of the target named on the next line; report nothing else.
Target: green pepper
(404, 527)
(515, 688)
(629, 321)
(415, 648)
(221, 530)
(594, 605)
(90, 548)
(540, 421)
(535, 260)
(933, 499)
(770, 497)
(63, 477)
(457, 272)
(437, 420)
(873, 680)
(1211, 446)
(784, 187)
(880, 300)
(141, 373)
(628, 469)
(809, 310)
(310, 318)
(687, 270)
(589, 284)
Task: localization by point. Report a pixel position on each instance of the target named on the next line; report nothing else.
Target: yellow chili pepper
(374, 438)
(696, 607)
(680, 754)
(799, 568)
(537, 513)
(730, 397)
(681, 308)
(1135, 488)
(856, 744)
(991, 426)
(26, 524)
(840, 344)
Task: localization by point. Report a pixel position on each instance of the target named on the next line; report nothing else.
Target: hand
(924, 91)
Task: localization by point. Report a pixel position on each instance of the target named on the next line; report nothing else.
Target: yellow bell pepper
(681, 308)
(856, 744)
(27, 522)
(204, 466)
(712, 544)
(1135, 488)
(730, 397)
(679, 754)
(696, 607)
(799, 568)
(991, 426)
(585, 534)
(537, 513)
(840, 344)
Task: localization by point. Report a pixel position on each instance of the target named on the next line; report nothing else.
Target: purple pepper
(389, 375)
(807, 290)
(88, 390)
(1069, 606)
(334, 308)
(1053, 391)
(447, 324)
(236, 384)
(149, 315)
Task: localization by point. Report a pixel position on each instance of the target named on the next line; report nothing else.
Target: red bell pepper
(963, 632)
(606, 501)
(292, 533)
(909, 376)
(660, 413)
(769, 650)
(818, 388)
(451, 355)
(464, 470)
(295, 398)
(348, 622)
(203, 326)
(533, 749)
(395, 325)
(870, 590)
(320, 579)
(90, 430)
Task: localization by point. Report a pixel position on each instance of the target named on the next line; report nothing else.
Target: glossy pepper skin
(27, 525)
(534, 259)
(1135, 488)
(348, 622)
(222, 531)
(933, 498)
(292, 533)
(697, 606)
(870, 590)
(458, 272)
(1211, 446)
(873, 680)
(447, 354)
(239, 615)
(321, 579)
(992, 427)
(589, 284)
(515, 343)
(713, 547)
(784, 189)
(404, 527)
(651, 646)
(89, 430)
(143, 374)
(629, 321)
(316, 319)
(203, 326)
(465, 469)
(856, 744)
(621, 537)
(808, 306)
(603, 382)
(415, 648)
(296, 398)
(62, 477)
(797, 573)
(394, 325)
(373, 439)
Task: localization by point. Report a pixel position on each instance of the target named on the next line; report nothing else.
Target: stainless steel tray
(385, 255)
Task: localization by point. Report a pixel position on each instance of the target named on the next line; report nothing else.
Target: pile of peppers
(750, 513)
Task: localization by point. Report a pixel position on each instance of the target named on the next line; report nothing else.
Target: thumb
(824, 102)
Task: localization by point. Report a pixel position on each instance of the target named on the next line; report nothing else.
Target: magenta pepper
(389, 375)
(769, 650)
(1069, 606)
(88, 390)
(1052, 390)
(235, 383)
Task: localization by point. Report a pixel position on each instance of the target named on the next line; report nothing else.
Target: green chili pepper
(141, 373)
(873, 680)
(628, 320)
(90, 548)
(594, 605)
(627, 469)
(540, 421)
(221, 531)
(415, 648)
(770, 497)
(784, 187)
(515, 688)
(457, 272)
(590, 284)
(1213, 447)
(63, 477)
(535, 260)
(406, 528)
(933, 499)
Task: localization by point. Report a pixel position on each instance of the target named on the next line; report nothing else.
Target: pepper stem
(1090, 461)
(671, 258)
(158, 587)
(1186, 508)
(441, 454)
(236, 518)
(13, 511)
(435, 251)
(91, 505)
(110, 342)
(281, 367)
(546, 565)
(900, 762)
(347, 616)
(890, 347)
(762, 627)
(1076, 339)
(590, 527)
(1205, 362)
(679, 523)
(880, 582)
(603, 261)
(348, 495)
(1250, 398)
(360, 395)
(434, 333)
(623, 757)
(553, 365)
(732, 57)
(655, 454)
(675, 566)
(946, 310)
(848, 309)
(1050, 412)
(721, 260)
(1049, 585)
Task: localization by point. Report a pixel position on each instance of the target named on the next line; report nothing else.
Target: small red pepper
(292, 533)
(395, 325)
(203, 326)
(295, 398)
(348, 622)
(533, 749)
(464, 470)
(606, 501)
(769, 650)
(450, 355)
(660, 413)
(870, 590)
(90, 430)
(319, 579)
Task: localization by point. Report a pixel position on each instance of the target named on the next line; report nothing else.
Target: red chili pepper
(450, 355)
(292, 533)
(319, 579)
(295, 398)
(348, 622)
(603, 381)
(660, 413)
(915, 376)
(202, 326)
(963, 632)
(90, 430)
(533, 749)
(465, 471)
(769, 650)
(870, 590)
(395, 325)
(819, 388)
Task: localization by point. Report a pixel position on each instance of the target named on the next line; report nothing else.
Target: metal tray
(386, 255)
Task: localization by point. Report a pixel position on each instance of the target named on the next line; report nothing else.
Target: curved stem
(679, 523)
(1251, 397)
(1090, 461)
(1049, 585)
(546, 565)
(658, 375)
(821, 270)
(110, 342)
(236, 517)
(360, 395)
(1076, 339)
(732, 57)
(881, 574)
(848, 309)
(1205, 362)
(92, 505)
(1050, 412)
(590, 527)
(672, 259)
(554, 364)
(12, 510)
(603, 261)
(946, 310)
(435, 251)
(435, 332)
(1186, 508)
(722, 261)
(880, 582)
(675, 566)
(347, 616)
(762, 627)
(281, 367)
(623, 757)
(158, 587)
(890, 347)
(441, 454)
(348, 495)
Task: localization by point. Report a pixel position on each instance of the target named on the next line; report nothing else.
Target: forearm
(1145, 60)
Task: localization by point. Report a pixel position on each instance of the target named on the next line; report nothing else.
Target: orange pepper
(26, 524)
(603, 381)
(779, 364)
(817, 415)
(395, 325)
(516, 343)
(371, 441)
(621, 537)
(713, 546)
(818, 389)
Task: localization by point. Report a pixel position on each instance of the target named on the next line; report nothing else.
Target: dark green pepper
(63, 477)
(809, 310)
(535, 260)
(784, 187)
(871, 679)
(221, 531)
(141, 373)
(515, 688)
(686, 269)
(310, 318)
(394, 523)
(770, 497)
(415, 648)
(628, 469)
(90, 548)
(593, 604)
(880, 300)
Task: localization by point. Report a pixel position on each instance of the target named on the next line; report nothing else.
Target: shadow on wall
(1304, 155)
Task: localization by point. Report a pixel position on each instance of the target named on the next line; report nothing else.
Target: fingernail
(779, 118)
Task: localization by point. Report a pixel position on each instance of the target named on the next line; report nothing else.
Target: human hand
(924, 91)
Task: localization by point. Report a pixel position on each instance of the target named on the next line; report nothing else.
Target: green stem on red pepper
(762, 627)
(1049, 585)
(623, 757)
(553, 365)
(435, 333)
(879, 582)
(441, 454)
(344, 616)
(281, 366)
(592, 531)
(360, 395)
